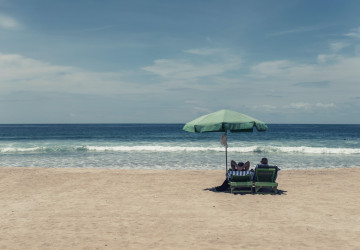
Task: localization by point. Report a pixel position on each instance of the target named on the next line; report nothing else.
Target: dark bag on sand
(225, 186)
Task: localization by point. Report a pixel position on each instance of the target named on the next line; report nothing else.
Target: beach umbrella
(223, 121)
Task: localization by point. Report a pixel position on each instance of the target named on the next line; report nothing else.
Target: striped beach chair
(240, 181)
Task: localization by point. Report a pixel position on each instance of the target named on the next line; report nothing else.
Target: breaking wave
(153, 148)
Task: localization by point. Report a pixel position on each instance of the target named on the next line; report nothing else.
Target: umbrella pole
(226, 154)
(226, 159)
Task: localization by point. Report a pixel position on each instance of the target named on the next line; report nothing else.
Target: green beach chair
(241, 184)
(265, 178)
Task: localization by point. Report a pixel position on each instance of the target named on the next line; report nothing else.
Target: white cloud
(301, 29)
(354, 33)
(264, 107)
(319, 84)
(21, 73)
(210, 62)
(300, 105)
(337, 46)
(327, 58)
(205, 51)
(7, 22)
(185, 69)
(309, 106)
(341, 70)
(325, 105)
(271, 68)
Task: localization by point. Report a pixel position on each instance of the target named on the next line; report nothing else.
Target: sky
(167, 61)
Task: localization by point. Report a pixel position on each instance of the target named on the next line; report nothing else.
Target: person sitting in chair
(240, 166)
(264, 161)
(234, 167)
(244, 166)
(264, 164)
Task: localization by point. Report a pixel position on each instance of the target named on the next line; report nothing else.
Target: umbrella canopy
(222, 121)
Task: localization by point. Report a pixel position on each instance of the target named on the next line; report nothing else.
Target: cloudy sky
(163, 61)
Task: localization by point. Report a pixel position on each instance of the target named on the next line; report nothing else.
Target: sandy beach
(48, 208)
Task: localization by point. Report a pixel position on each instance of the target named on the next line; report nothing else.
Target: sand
(47, 208)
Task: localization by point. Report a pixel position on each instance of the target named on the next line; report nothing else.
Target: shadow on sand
(280, 192)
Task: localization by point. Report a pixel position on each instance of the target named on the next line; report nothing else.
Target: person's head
(233, 165)
(264, 161)
(240, 164)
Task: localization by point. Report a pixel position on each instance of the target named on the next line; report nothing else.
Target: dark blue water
(167, 146)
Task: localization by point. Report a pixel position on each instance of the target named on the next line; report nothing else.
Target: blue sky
(150, 61)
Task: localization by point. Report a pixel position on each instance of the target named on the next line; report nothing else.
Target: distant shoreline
(168, 169)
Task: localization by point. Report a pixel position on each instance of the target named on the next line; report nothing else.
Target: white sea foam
(18, 150)
(41, 149)
(255, 149)
(153, 148)
(302, 150)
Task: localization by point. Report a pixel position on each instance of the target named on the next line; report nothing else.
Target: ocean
(167, 146)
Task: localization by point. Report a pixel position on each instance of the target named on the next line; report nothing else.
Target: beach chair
(267, 166)
(264, 177)
(241, 184)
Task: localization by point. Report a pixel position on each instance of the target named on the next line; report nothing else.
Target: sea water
(167, 146)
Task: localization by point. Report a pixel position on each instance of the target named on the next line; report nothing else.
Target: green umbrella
(222, 121)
